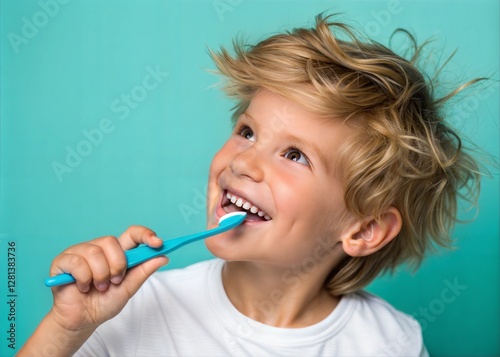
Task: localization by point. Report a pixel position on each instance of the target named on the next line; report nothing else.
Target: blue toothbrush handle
(60, 279)
(134, 257)
(143, 252)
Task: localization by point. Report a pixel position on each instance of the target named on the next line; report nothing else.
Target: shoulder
(376, 311)
(374, 307)
(393, 332)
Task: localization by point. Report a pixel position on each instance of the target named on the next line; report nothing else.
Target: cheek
(215, 169)
(222, 158)
(219, 163)
(317, 205)
(334, 207)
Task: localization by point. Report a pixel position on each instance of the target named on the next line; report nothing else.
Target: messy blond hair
(404, 155)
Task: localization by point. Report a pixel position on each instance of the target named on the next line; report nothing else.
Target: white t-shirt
(186, 312)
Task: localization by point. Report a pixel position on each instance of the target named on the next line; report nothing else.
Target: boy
(346, 169)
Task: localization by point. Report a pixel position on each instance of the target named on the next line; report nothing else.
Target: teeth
(247, 206)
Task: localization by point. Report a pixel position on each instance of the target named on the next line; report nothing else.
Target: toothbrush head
(232, 220)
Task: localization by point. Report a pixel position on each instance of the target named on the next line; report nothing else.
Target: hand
(102, 288)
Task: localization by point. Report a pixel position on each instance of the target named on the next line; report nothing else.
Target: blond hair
(404, 154)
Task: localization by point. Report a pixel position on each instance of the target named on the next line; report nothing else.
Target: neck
(276, 296)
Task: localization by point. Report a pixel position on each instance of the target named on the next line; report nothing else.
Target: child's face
(280, 161)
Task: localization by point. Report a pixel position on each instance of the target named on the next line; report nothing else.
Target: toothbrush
(143, 252)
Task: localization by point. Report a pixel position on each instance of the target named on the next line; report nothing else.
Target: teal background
(151, 166)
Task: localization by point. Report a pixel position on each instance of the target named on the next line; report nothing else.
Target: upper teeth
(240, 202)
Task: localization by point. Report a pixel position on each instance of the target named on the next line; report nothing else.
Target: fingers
(75, 265)
(102, 261)
(136, 235)
(138, 275)
(98, 262)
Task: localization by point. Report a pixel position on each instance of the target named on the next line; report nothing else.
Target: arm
(101, 291)
(52, 340)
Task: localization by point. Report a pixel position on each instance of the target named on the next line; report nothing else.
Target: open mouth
(233, 203)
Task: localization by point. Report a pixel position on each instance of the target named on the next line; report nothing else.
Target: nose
(247, 163)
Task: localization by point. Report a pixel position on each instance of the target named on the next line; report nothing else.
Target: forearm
(50, 339)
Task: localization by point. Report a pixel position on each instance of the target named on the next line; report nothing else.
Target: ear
(370, 235)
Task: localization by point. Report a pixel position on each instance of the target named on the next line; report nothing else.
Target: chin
(223, 246)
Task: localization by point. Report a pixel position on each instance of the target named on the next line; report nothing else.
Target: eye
(246, 132)
(296, 155)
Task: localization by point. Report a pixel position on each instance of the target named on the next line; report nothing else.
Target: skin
(288, 171)
(101, 291)
(280, 158)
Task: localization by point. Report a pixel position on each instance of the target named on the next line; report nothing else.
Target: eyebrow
(301, 143)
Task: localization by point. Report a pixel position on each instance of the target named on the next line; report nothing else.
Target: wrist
(63, 325)
(53, 338)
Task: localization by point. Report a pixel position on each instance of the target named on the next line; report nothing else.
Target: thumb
(136, 276)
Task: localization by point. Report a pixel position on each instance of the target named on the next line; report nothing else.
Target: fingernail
(116, 279)
(102, 286)
(156, 240)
